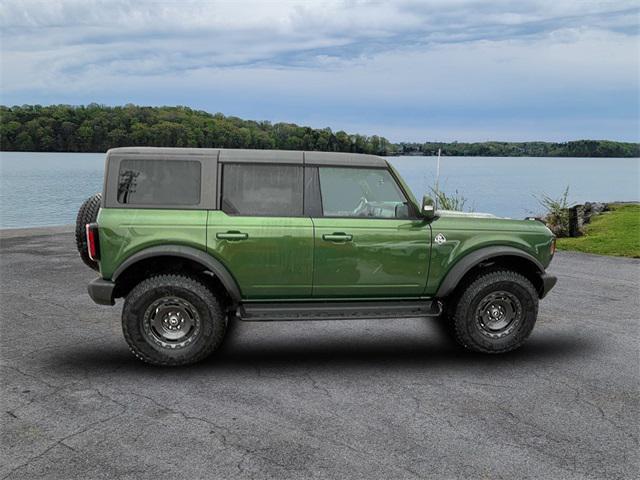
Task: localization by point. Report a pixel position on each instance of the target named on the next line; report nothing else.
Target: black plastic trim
(312, 195)
(338, 310)
(101, 291)
(465, 264)
(548, 282)
(203, 258)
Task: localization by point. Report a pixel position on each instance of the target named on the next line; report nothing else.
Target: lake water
(38, 189)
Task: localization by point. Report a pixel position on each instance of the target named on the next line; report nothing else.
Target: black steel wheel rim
(171, 322)
(498, 314)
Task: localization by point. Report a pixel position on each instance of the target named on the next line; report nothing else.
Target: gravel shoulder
(358, 399)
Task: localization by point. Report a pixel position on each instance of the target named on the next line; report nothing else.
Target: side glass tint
(361, 192)
(255, 189)
(159, 182)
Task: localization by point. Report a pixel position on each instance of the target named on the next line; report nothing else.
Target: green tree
(96, 128)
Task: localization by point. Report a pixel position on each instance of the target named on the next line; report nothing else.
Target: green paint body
(319, 258)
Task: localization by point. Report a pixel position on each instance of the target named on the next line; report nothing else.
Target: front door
(260, 234)
(368, 242)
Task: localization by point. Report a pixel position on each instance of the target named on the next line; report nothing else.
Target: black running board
(263, 312)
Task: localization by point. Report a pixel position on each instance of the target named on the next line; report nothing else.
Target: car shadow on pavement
(393, 354)
(390, 352)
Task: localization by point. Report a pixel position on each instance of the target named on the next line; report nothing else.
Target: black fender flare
(207, 261)
(466, 263)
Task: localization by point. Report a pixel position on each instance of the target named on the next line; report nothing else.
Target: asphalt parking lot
(359, 399)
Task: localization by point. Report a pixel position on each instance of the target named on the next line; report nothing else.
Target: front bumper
(548, 282)
(101, 291)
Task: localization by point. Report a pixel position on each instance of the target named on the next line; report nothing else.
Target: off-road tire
(88, 213)
(135, 324)
(467, 325)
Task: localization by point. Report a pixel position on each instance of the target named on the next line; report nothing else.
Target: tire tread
(181, 281)
(88, 213)
(460, 318)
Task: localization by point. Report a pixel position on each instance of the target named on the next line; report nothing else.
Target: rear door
(260, 232)
(369, 242)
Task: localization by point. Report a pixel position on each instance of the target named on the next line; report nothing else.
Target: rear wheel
(496, 312)
(88, 213)
(172, 320)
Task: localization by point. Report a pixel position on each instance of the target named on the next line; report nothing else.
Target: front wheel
(496, 313)
(172, 320)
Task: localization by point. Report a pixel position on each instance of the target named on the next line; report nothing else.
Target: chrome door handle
(233, 236)
(337, 237)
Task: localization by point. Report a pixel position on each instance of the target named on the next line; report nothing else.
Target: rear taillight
(552, 249)
(93, 241)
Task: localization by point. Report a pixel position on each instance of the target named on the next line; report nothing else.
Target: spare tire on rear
(88, 213)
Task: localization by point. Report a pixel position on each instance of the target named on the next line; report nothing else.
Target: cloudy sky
(408, 70)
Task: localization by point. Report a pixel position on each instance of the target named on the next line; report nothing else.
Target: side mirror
(428, 209)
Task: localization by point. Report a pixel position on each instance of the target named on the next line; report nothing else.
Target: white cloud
(425, 57)
(231, 33)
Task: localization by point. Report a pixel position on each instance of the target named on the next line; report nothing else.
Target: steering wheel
(362, 208)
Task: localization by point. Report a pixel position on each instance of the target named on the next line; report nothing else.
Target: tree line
(96, 128)
(577, 148)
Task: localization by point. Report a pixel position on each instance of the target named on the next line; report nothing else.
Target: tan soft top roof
(248, 155)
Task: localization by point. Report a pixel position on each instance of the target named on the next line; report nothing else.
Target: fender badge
(440, 239)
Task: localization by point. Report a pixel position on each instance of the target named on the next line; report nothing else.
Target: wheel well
(160, 264)
(513, 263)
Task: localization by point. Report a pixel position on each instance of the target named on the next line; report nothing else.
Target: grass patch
(611, 233)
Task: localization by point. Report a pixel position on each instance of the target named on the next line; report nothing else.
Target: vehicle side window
(257, 189)
(159, 182)
(361, 192)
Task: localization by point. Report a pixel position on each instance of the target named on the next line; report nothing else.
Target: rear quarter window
(159, 182)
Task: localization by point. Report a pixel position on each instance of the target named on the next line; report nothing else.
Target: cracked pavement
(356, 399)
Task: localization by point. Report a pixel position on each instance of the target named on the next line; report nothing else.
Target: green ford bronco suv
(191, 238)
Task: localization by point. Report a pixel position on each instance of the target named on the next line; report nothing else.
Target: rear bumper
(548, 282)
(101, 291)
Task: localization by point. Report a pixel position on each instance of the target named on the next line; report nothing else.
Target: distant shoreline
(96, 128)
(387, 155)
(503, 156)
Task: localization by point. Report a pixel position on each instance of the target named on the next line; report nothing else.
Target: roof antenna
(438, 178)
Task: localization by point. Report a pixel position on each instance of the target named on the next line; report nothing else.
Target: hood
(487, 222)
(455, 213)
